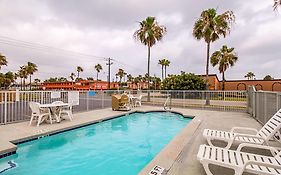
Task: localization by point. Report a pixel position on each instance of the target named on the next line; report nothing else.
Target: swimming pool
(122, 145)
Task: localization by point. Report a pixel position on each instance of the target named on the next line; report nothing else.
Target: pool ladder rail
(168, 103)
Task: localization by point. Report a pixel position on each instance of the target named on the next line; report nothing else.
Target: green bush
(184, 81)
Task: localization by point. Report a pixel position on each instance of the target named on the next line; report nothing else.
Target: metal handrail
(166, 103)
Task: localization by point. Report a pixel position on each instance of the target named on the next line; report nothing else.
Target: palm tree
(276, 4)
(250, 75)
(72, 76)
(130, 77)
(210, 26)
(224, 58)
(98, 68)
(166, 64)
(162, 62)
(23, 74)
(121, 74)
(37, 80)
(3, 61)
(148, 34)
(79, 69)
(31, 68)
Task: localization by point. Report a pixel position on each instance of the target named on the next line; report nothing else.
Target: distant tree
(7, 79)
(162, 62)
(130, 77)
(184, 81)
(79, 69)
(23, 74)
(31, 68)
(149, 33)
(72, 76)
(210, 26)
(98, 68)
(268, 77)
(90, 78)
(62, 79)
(36, 80)
(120, 74)
(250, 75)
(3, 61)
(156, 82)
(224, 58)
(276, 4)
(166, 64)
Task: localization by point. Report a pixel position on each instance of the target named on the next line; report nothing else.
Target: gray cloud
(105, 28)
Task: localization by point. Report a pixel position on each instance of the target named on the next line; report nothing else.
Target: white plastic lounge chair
(260, 137)
(241, 161)
(64, 110)
(38, 113)
(138, 101)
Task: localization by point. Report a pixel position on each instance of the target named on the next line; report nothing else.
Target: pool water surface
(122, 146)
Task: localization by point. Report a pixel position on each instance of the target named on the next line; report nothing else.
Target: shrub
(183, 81)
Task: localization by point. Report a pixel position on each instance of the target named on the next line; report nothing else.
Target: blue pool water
(119, 146)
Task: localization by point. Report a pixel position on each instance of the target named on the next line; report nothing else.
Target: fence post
(102, 99)
(5, 108)
(87, 97)
(224, 100)
(277, 102)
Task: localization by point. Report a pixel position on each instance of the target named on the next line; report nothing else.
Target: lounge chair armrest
(234, 129)
(243, 145)
(268, 165)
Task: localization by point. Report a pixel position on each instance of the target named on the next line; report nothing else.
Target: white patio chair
(241, 161)
(138, 101)
(38, 113)
(65, 110)
(260, 137)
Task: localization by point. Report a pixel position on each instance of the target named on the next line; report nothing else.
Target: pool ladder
(168, 103)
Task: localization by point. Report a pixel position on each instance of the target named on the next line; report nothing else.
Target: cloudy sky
(60, 35)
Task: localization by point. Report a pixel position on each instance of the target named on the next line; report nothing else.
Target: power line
(41, 47)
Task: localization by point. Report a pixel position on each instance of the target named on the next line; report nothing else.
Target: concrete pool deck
(178, 157)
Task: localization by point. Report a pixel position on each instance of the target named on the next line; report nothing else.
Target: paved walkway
(178, 157)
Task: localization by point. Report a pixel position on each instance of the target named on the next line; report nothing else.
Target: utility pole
(109, 65)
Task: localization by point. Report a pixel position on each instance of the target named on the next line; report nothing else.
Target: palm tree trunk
(165, 71)
(207, 74)
(24, 84)
(30, 82)
(21, 84)
(223, 81)
(78, 74)
(148, 72)
(162, 72)
(97, 76)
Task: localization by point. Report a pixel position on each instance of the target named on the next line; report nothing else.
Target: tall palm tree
(148, 34)
(224, 58)
(276, 4)
(23, 74)
(79, 69)
(210, 26)
(3, 61)
(162, 62)
(166, 64)
(250, 75)
(72, 77)
(98, 68)
(31, 68)
(120, 74)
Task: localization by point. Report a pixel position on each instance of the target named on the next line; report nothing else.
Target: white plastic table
(51, 106)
